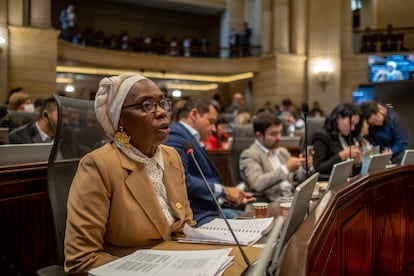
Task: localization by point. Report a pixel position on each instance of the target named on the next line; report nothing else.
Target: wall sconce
(70, 88)
(323, 69)
(2, 42)
(176, 93)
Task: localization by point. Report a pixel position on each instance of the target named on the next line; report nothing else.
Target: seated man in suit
(197, 121)
(268, 168)
(41, 131)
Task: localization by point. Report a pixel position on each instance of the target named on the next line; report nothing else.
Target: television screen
(390, 68)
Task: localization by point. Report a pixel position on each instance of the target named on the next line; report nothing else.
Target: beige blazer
(257, 171)
(113, 208)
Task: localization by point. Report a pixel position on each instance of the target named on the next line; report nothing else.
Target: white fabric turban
(110, 97)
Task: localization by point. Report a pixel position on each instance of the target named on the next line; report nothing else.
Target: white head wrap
(393, 64)
(110, 97)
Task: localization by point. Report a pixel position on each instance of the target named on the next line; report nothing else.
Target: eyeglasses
(149, 105)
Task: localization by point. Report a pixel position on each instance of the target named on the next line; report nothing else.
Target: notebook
(340, 173)
(408, 157)
(247, 231)
(296, 215)
(375, 162)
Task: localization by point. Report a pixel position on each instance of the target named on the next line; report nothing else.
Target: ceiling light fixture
(156, 75)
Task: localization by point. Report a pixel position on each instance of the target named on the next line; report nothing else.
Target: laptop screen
(340, 173)
(408, 157)
(375, 162)
(295, 217)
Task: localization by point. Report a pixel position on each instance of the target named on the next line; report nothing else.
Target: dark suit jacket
(203, 206)
(326, 153)
(26, 134)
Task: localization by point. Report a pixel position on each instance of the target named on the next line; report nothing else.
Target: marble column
(298, 26)
(281, 26)
(3, 51)
(18, 12)
(231, 18)
(324, 42)
(267, 27)
(40, 13)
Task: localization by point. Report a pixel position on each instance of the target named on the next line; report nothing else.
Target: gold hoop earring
(120, 136)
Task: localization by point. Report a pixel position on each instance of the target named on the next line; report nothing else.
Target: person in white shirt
(268, 168)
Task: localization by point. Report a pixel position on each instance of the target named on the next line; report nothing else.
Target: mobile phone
(309, 150)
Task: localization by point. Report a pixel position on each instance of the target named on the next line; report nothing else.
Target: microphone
(189, 151)
(305, 110)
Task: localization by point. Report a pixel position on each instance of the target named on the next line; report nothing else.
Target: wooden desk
(27, 238)
(363, 228)
(238, 266)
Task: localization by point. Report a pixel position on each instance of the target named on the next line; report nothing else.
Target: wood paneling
(365, 227)
(27, 239)
(409, 239)
(355, 244)
(388, 232)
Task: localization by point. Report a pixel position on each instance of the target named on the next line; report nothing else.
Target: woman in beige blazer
(130, 193)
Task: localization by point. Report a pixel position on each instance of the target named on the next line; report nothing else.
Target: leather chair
(313, 125)
(70, 144)
(243, 137)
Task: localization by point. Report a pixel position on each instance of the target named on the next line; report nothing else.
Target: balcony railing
(383, 40)
(166, 48)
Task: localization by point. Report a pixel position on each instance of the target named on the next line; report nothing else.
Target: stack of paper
(168, 263)
(247, 231)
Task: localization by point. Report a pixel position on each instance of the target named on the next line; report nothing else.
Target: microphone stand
(191, 153)
(305, 114)
(350, 141)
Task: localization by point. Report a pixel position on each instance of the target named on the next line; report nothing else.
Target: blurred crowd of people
(156, 43)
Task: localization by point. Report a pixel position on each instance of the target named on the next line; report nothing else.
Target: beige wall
(323, 31)
(398, 13)
(32, 60)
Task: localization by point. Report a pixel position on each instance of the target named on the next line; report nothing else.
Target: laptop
(375, 162)
(340, 173)
(295, 217)
(408, 157)
(263, 262)
(24, 153)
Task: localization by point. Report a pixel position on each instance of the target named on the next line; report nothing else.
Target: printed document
(168, 263)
